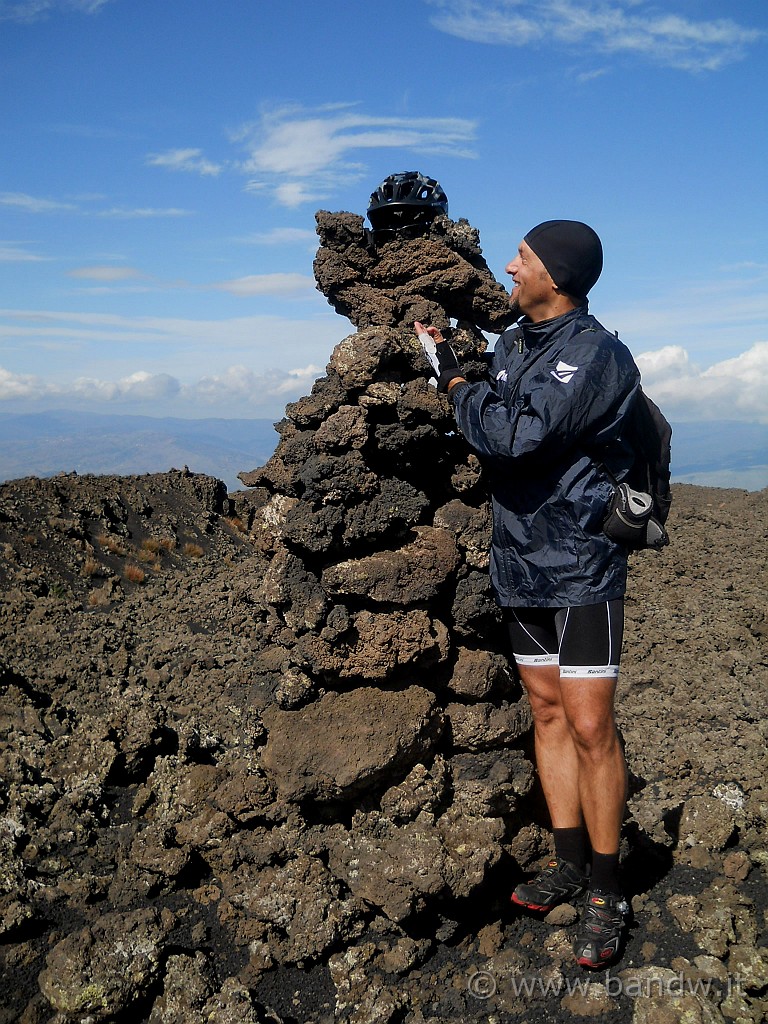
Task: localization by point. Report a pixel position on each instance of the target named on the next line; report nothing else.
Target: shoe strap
(599, 899)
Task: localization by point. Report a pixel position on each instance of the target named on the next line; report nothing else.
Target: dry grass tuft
(192, 550)
(135, 573)
(114, 545)
(91, 567)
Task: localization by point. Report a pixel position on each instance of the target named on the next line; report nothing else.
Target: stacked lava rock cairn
(397, 722)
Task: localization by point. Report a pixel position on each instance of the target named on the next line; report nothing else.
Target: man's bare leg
(557, 761)
(588, 706)
(564, 877)
(578, 755)
(584, 777)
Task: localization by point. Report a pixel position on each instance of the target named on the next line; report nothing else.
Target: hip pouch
(630, 520)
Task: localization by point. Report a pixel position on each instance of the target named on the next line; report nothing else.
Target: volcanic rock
(345, 743)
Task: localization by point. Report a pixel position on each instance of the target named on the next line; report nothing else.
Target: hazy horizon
(709, 453)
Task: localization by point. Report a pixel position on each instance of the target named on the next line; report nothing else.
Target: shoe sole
(530, 906)
(584, 962)
(543, 906)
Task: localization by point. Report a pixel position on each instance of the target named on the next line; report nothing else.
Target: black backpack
(651, 437)
(641, 503)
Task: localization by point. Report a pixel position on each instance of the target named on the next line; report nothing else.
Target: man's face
(533, 288)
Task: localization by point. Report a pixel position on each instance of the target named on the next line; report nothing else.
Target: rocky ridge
(262, 756)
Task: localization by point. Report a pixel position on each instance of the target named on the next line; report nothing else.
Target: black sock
(571, 844)
(605, 873)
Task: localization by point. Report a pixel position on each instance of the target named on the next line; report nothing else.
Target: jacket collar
(545, 330)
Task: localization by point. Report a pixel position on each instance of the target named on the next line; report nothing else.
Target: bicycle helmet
(405, 200)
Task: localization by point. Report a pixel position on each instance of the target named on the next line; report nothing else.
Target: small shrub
(167, 543)
(91, 567)
(112, 544)
(150, 546)
(236, 523)
(192, 550)
(135, 573)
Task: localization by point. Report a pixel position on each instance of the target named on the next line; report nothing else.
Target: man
(547, 427)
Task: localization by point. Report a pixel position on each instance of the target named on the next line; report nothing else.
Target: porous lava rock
(432, 277)
(337, 747)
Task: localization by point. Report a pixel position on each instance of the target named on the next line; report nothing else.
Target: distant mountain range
(53, 442)
(721, 453)
(713, 454)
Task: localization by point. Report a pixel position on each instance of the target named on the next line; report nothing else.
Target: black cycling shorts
(584, 641)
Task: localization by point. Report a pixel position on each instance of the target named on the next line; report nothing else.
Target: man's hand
(441, 357)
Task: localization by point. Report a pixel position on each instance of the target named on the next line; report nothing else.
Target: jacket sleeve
(554, 409)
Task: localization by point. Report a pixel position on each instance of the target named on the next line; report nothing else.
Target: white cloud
(105, 273)
(723, 313)
(32, 204)
(294, 193)
(590, 76)
(237, 391)
(270, 361)
(279, 284)
(617, 26)
(31, 10)
(297, 155)
(110, 347)
(284, 284)
(14, 252)
(268, 284)
(239, 383)
(281, 236)
(136, 387)
(19, 385)
(672, 360)
(190, 160)
(144, 212)
(733, 389)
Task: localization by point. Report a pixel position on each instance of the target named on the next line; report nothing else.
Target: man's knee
(545, 700)
(594, 733)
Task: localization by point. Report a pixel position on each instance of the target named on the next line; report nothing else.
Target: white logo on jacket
(501, 375)
(563, 372)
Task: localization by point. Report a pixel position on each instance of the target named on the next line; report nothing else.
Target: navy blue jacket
(547, 428)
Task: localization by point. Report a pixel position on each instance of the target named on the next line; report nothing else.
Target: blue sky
(163, 161)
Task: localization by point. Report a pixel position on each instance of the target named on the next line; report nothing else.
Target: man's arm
(555, 409)
(443, 360)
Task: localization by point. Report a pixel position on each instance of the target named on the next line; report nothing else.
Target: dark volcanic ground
(123, 700)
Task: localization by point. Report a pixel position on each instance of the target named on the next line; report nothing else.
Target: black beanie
(571, 252)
